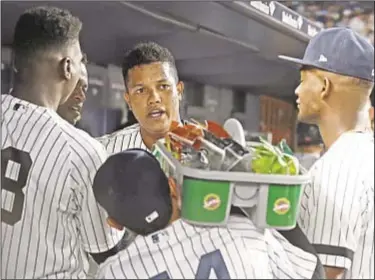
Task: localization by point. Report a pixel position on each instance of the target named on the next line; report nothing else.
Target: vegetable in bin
(269, 159)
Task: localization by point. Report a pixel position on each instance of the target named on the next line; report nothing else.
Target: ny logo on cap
(322, 58)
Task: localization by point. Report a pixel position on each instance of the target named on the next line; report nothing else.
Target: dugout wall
(228, 47)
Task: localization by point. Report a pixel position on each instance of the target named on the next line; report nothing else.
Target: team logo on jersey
(281, 206)
(211, 202)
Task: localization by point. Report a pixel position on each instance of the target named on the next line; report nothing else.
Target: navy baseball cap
(341, 51)
(134, 190)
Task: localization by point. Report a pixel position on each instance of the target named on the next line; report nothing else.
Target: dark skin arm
(334, 272)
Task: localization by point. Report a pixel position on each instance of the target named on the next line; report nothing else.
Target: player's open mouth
(156, 114)
(76, 108)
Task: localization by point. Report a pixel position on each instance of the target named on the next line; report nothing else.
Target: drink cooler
(271, 201)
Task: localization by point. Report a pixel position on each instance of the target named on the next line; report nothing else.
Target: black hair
(146, 53)
(43, 28)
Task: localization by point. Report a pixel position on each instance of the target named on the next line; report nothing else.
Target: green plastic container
(207, 196)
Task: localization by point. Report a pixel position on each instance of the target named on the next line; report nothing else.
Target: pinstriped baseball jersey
(121, 140)
(337, 211)
(49, 212)
(183, 251)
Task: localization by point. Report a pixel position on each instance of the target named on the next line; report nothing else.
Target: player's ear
(326, 88)
(66, 68)
(112, 223)
(180, 89)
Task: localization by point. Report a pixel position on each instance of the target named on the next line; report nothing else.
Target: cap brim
(292, 59)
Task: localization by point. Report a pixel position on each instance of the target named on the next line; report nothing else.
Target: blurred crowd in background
(357, 15)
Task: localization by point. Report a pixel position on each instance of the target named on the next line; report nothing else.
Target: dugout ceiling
(220, 43)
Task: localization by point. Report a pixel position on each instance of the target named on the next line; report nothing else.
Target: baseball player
(337, 77)
(49, 214)
(153, 94)
(168, 248)
(71, 110)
